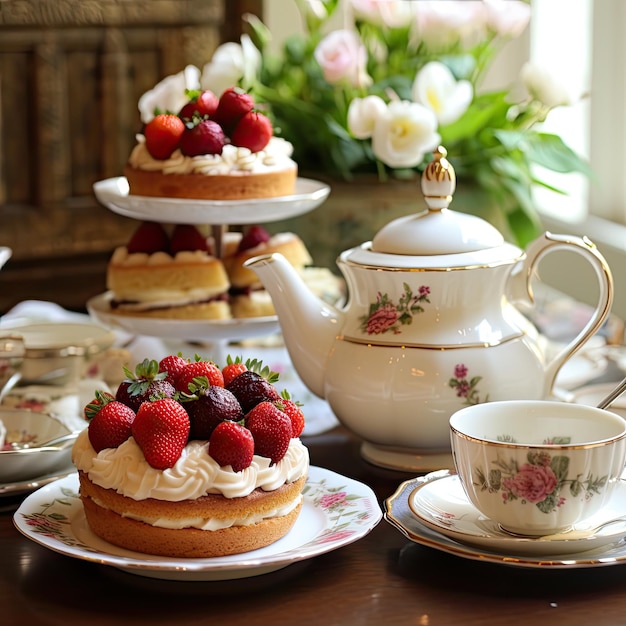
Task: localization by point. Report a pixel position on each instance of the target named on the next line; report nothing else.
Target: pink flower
(424, 290)
(533, 483)
(342, 57)
(460, 371)
(330, 500)
(382, 319)
(508, 19)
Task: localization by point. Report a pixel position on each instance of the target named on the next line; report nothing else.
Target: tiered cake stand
(114, 194)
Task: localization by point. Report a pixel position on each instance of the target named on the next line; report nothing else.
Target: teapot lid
(438, 230)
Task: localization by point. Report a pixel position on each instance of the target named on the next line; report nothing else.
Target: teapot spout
(308, 324)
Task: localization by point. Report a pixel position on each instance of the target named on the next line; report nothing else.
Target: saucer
(441, 504)
(398, 513)
(591, 395)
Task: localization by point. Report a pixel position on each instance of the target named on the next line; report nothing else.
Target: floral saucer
(337, 511)
(399, 514)
(441, 504)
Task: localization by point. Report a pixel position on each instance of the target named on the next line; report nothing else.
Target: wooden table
(382, 579)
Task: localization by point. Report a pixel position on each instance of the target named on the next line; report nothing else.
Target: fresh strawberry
(100, 399)
(201, 104)
(271, 429)
(187, 237)
(210, 407)
(163, 135)
(161, 430)
(199, 370)
(293, 411)
(233, 105)
(111, 426)
(233, 368)
(254, 385)
(172, 366)
(253, 131)
(205, 137)
(232, 444)
(149, 237)
(144, 384)
(252, 237)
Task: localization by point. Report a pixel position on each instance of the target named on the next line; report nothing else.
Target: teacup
(537, 467)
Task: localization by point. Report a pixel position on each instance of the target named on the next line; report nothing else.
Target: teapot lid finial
(438, 181)
(439, 230)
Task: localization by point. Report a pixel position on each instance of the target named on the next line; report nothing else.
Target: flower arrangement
(399, 79)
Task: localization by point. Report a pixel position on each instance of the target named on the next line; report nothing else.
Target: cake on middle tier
(188, 285)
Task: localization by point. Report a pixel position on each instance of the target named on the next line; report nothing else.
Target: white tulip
(436, 88)
(406, 132)
(363, 114)
(313, 8)
(231, 63)
(169, 94)
(389, 13)
(543, 86)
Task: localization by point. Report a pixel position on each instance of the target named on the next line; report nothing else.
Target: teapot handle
(522, 289)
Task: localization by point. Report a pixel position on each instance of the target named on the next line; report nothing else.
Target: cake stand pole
(217, 231)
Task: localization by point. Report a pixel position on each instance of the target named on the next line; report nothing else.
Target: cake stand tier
(214, 334)
(99, 307)
(113, 193)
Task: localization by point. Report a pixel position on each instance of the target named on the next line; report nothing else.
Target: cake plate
(214, 334)
(114, 194)
(336, 512)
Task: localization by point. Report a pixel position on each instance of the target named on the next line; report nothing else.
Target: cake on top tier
(212, 149)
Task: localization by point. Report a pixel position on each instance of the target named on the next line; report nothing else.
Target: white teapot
(429, 326)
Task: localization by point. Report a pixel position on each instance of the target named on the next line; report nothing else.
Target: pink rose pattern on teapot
(541, 481)
(385, 316)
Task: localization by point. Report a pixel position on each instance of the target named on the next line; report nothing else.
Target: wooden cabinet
(71, 72)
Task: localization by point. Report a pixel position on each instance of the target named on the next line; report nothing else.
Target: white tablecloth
(69, 402)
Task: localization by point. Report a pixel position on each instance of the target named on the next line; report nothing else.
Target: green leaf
(495, 479)
(560, 465)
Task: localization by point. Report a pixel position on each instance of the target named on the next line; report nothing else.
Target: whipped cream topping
(212, 523)
(195, 474)
(121, 256)
(276, 156)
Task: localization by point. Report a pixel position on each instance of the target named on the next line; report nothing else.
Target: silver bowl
(23, 425)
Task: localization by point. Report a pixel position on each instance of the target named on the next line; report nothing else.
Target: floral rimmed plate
(441, 504)
(113, 193)
(336, 512)
(398, 513)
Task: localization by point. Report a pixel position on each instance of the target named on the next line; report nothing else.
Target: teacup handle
(522, 290)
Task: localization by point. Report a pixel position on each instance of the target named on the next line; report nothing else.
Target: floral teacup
(537, 467)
